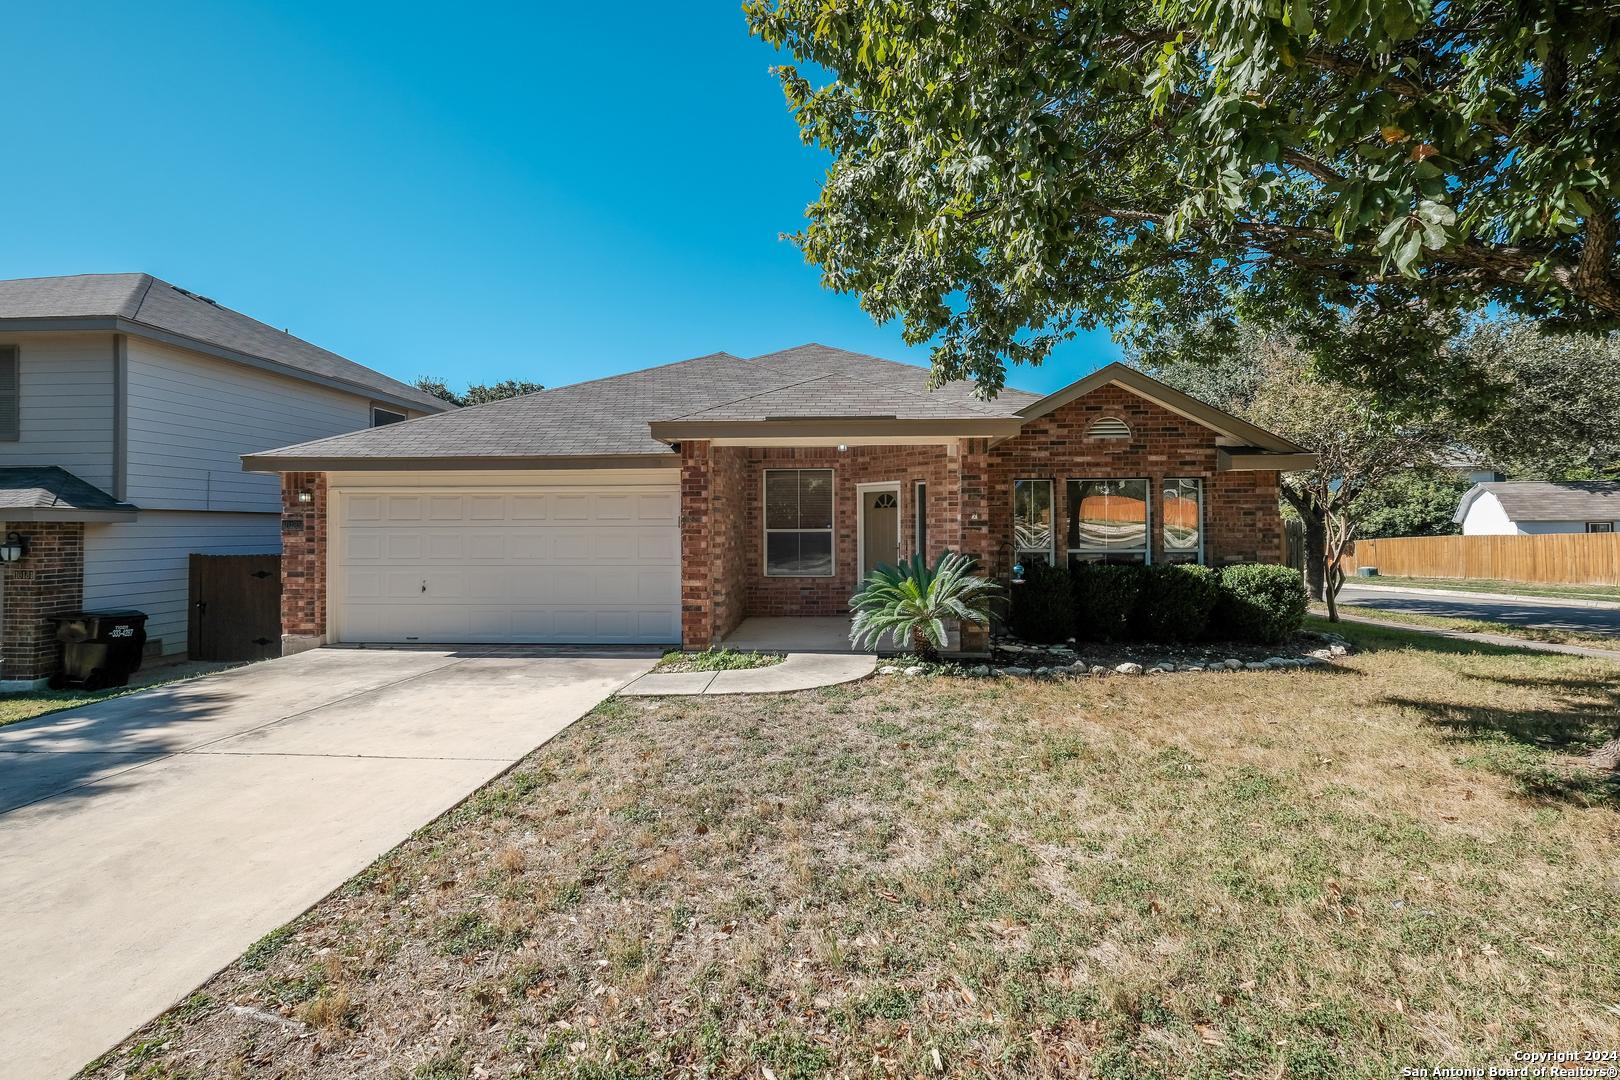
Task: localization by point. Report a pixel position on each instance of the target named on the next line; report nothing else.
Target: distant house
(125, 404)
(1534, 507)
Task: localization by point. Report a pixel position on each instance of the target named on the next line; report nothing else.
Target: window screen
(10, 420)
(1183, 521)
(798, 522)
(1108, 521)
(379, 417)
(1032, 520)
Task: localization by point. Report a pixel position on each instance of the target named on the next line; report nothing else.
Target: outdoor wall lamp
(306, 496)
(14, 548)
(842, 447)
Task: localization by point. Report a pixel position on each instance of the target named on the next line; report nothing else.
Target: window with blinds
(10, 421)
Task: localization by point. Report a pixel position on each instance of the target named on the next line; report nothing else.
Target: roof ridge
(755, 394)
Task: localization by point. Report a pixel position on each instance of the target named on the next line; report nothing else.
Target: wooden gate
(235, 607)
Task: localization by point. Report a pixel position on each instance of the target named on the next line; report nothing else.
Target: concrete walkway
(1483, 639)
(1551, 613)
(146, 841)
(800, 671)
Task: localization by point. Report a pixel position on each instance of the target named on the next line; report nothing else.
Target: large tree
(477, 393)
(1008, 172)
(1362, 447)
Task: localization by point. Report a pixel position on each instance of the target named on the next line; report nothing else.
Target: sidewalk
(1488, 639)
(800, 671)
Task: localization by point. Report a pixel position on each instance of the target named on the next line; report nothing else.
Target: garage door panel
(592, 565)
(570, 545)
(444, 545)
(404, 507)
(487, 507)
(613, 546)
(363, 508)
(404, 545)
(362, 544)
(655, 508)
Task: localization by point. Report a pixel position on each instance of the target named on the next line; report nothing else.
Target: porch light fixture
(306, 496)
(842, 447)
(14, 548)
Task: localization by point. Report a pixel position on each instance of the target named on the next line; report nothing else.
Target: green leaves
(1008, 173)
(915, 600)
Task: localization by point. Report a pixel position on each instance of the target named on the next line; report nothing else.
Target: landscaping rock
(1015, 672)
(1098, 669)
(915, 670)
(1338, 650)
(980, 671)
(888, 669)
(1322, 654)
(1129, 669)
(1233, 665)
(1191, 667)
(1258, 667)
(1155, 671)
(1042, 672)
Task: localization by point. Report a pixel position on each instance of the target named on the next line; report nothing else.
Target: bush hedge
(1174, 602)
(1259, 603)
(1105, 595)
(1043, 606)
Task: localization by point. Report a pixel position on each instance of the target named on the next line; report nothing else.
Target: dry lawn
(1318, 873)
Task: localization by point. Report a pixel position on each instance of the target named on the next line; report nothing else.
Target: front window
(1600, 526)
(379, 417)
(922, 519)
(1108, 521)
(1032, 521)
(798, 522)
(1183, 521)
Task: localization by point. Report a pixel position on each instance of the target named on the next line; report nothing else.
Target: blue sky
(526, 191)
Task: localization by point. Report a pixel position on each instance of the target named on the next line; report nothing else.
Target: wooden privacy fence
(1566, 558)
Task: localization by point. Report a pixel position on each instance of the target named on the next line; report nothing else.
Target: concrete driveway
(1547, 612)
(146, 841)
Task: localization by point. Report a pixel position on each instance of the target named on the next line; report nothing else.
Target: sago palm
(913, 601)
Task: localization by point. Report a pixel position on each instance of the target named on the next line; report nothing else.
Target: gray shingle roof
(149, 301)
(1546, 500)
(51, 487)
(609, 416)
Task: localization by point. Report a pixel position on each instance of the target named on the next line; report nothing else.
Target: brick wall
(303, 561)
(969, 503)
(857, 465)
(1241, 519)
(49, 580)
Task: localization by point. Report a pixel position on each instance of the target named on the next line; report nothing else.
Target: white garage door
(589, 565)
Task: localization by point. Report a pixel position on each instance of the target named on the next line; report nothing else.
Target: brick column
(303, 562)
(49, 580)
(697, 515)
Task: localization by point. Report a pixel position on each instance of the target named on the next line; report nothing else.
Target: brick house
(672, 503)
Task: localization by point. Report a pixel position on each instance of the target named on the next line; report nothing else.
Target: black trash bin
(99, 648)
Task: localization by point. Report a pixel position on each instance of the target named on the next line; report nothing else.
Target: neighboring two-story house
(125, 404)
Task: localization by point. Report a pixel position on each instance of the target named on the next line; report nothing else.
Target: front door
(880, 530)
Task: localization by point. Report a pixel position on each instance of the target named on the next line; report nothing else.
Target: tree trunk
(1315, 539)
(1340, 533)
(1315, 553)
(921, 647)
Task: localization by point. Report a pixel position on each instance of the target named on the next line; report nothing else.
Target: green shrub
(1259, 603)
(1043, 606)
(1174, 602)
(1104, 597)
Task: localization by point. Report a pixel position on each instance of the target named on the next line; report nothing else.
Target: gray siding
(65, 405)
(191, 418)
(146, 564)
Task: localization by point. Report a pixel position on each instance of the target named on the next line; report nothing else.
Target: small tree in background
(477, 393)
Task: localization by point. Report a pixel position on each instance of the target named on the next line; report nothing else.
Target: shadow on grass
(1519, 744)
